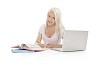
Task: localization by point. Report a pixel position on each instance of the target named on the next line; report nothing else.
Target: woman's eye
(53, 17)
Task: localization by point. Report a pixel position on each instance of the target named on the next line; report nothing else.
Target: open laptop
(73, 41)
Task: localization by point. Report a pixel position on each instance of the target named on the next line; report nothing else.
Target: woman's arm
(38, 40)
(57, 46)
(54, 46)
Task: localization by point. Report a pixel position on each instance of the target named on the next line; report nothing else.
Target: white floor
(88, 58)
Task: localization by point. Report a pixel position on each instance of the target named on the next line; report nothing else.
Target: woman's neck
(51, 26)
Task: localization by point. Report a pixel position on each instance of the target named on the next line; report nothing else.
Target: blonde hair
(59, 27)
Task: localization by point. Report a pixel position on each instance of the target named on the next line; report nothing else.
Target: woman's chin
(50, 24)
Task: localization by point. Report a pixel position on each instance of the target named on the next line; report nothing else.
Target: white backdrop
(20, 21)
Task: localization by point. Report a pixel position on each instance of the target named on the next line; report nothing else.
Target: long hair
(58, 27)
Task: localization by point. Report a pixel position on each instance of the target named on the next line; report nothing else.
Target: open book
(28, 48)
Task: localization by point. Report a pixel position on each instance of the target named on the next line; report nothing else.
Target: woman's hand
(53, 46)
(41, 45)
(49, 46)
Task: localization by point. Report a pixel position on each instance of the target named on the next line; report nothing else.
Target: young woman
(51, 32)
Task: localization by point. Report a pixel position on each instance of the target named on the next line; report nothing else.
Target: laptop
(73, 40)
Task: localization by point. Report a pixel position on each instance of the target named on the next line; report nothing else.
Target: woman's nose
(50, 19)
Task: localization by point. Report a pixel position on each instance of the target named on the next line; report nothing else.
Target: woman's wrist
(40, 44)
(56, 46)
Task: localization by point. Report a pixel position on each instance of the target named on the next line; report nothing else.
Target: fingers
(49, 46)
(42, 46)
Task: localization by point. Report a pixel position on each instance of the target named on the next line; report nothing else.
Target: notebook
(24, 51)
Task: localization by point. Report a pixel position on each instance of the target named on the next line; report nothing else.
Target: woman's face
(51, 18)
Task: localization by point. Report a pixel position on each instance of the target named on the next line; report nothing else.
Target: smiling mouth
(49, 22)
